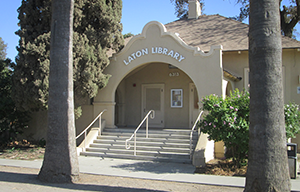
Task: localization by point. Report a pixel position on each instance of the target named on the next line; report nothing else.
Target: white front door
(153, 99)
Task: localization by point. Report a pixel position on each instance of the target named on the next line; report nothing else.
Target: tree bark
(268, 163)
(60, 163)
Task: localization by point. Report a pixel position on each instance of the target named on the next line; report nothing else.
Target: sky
(135, 15)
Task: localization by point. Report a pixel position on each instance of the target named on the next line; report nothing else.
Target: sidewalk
(146, 170)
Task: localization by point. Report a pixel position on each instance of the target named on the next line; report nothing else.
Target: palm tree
(61, 162)
(268, 163)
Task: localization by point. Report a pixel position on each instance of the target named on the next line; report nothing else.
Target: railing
(127, 146)
(85, 130)
(192, 131)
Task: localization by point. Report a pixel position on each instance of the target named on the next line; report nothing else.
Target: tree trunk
(60, 163)
(268, 163)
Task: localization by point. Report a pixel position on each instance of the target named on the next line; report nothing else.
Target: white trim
(246, 78)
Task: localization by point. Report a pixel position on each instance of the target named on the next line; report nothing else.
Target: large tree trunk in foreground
(268, 163)
(61, 162)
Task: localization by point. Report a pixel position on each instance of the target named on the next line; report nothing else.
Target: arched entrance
(152, 87)
(155, 62)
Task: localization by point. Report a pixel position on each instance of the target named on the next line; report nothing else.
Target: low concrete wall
(91, 136)
(204, 151)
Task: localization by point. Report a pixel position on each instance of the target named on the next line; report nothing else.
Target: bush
(292, 119)
(227, 120)
(12, 121)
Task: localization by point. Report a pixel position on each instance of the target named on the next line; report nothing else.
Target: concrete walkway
(146, 170)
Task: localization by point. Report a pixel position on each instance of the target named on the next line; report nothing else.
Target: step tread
(145, 143)
(138, 157)
(177, 141)
(99, 145)
(161, 144)
(138, 151)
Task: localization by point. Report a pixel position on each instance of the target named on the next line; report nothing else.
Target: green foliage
(292, 119)
(42, 143)
(97, 29)
(289, 15)
(127, 35)
(227, 120)
(12, 121)
(3, 47)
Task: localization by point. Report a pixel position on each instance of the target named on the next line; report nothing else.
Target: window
(176, 98)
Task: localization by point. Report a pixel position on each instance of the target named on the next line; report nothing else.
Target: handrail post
(135, 132)
(84, 140)
(85, 130)
(134, 144)
(100, 124)
(147, 121)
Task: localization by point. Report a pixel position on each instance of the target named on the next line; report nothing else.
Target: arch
(156, 45)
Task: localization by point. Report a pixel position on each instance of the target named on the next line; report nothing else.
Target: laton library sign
(154, 50)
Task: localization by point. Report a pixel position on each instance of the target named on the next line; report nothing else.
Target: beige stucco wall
(198, 66)
(37, 128)
(236, 62)
(157, 73)
(85, 119)
(193, 66)
(291, 59)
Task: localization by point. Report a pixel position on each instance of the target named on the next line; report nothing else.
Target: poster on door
(176, 98)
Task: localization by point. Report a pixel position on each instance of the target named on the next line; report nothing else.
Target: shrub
(292, 119)
(12, 121)
(227, 120)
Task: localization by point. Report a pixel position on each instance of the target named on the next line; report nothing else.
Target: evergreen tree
(12, 121)
(97, 29)
(2, 49)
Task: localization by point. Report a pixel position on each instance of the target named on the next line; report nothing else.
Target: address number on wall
(174, 74)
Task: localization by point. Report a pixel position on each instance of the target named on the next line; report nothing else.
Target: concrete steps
(172, 145)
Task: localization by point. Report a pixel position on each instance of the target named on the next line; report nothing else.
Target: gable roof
(211, 30)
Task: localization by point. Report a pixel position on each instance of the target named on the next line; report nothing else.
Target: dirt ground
(25, 150)
(22, 150)
(23, 179)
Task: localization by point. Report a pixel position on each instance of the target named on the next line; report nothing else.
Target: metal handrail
(85, 130)
(192, 131)
(127, 146)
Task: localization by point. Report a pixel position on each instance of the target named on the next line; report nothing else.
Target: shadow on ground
(32, 180)
(157, 167)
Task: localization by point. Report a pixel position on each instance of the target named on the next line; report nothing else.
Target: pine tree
(97, 29)
(3, 47)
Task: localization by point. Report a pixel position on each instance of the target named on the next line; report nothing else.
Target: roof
(210, 30)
